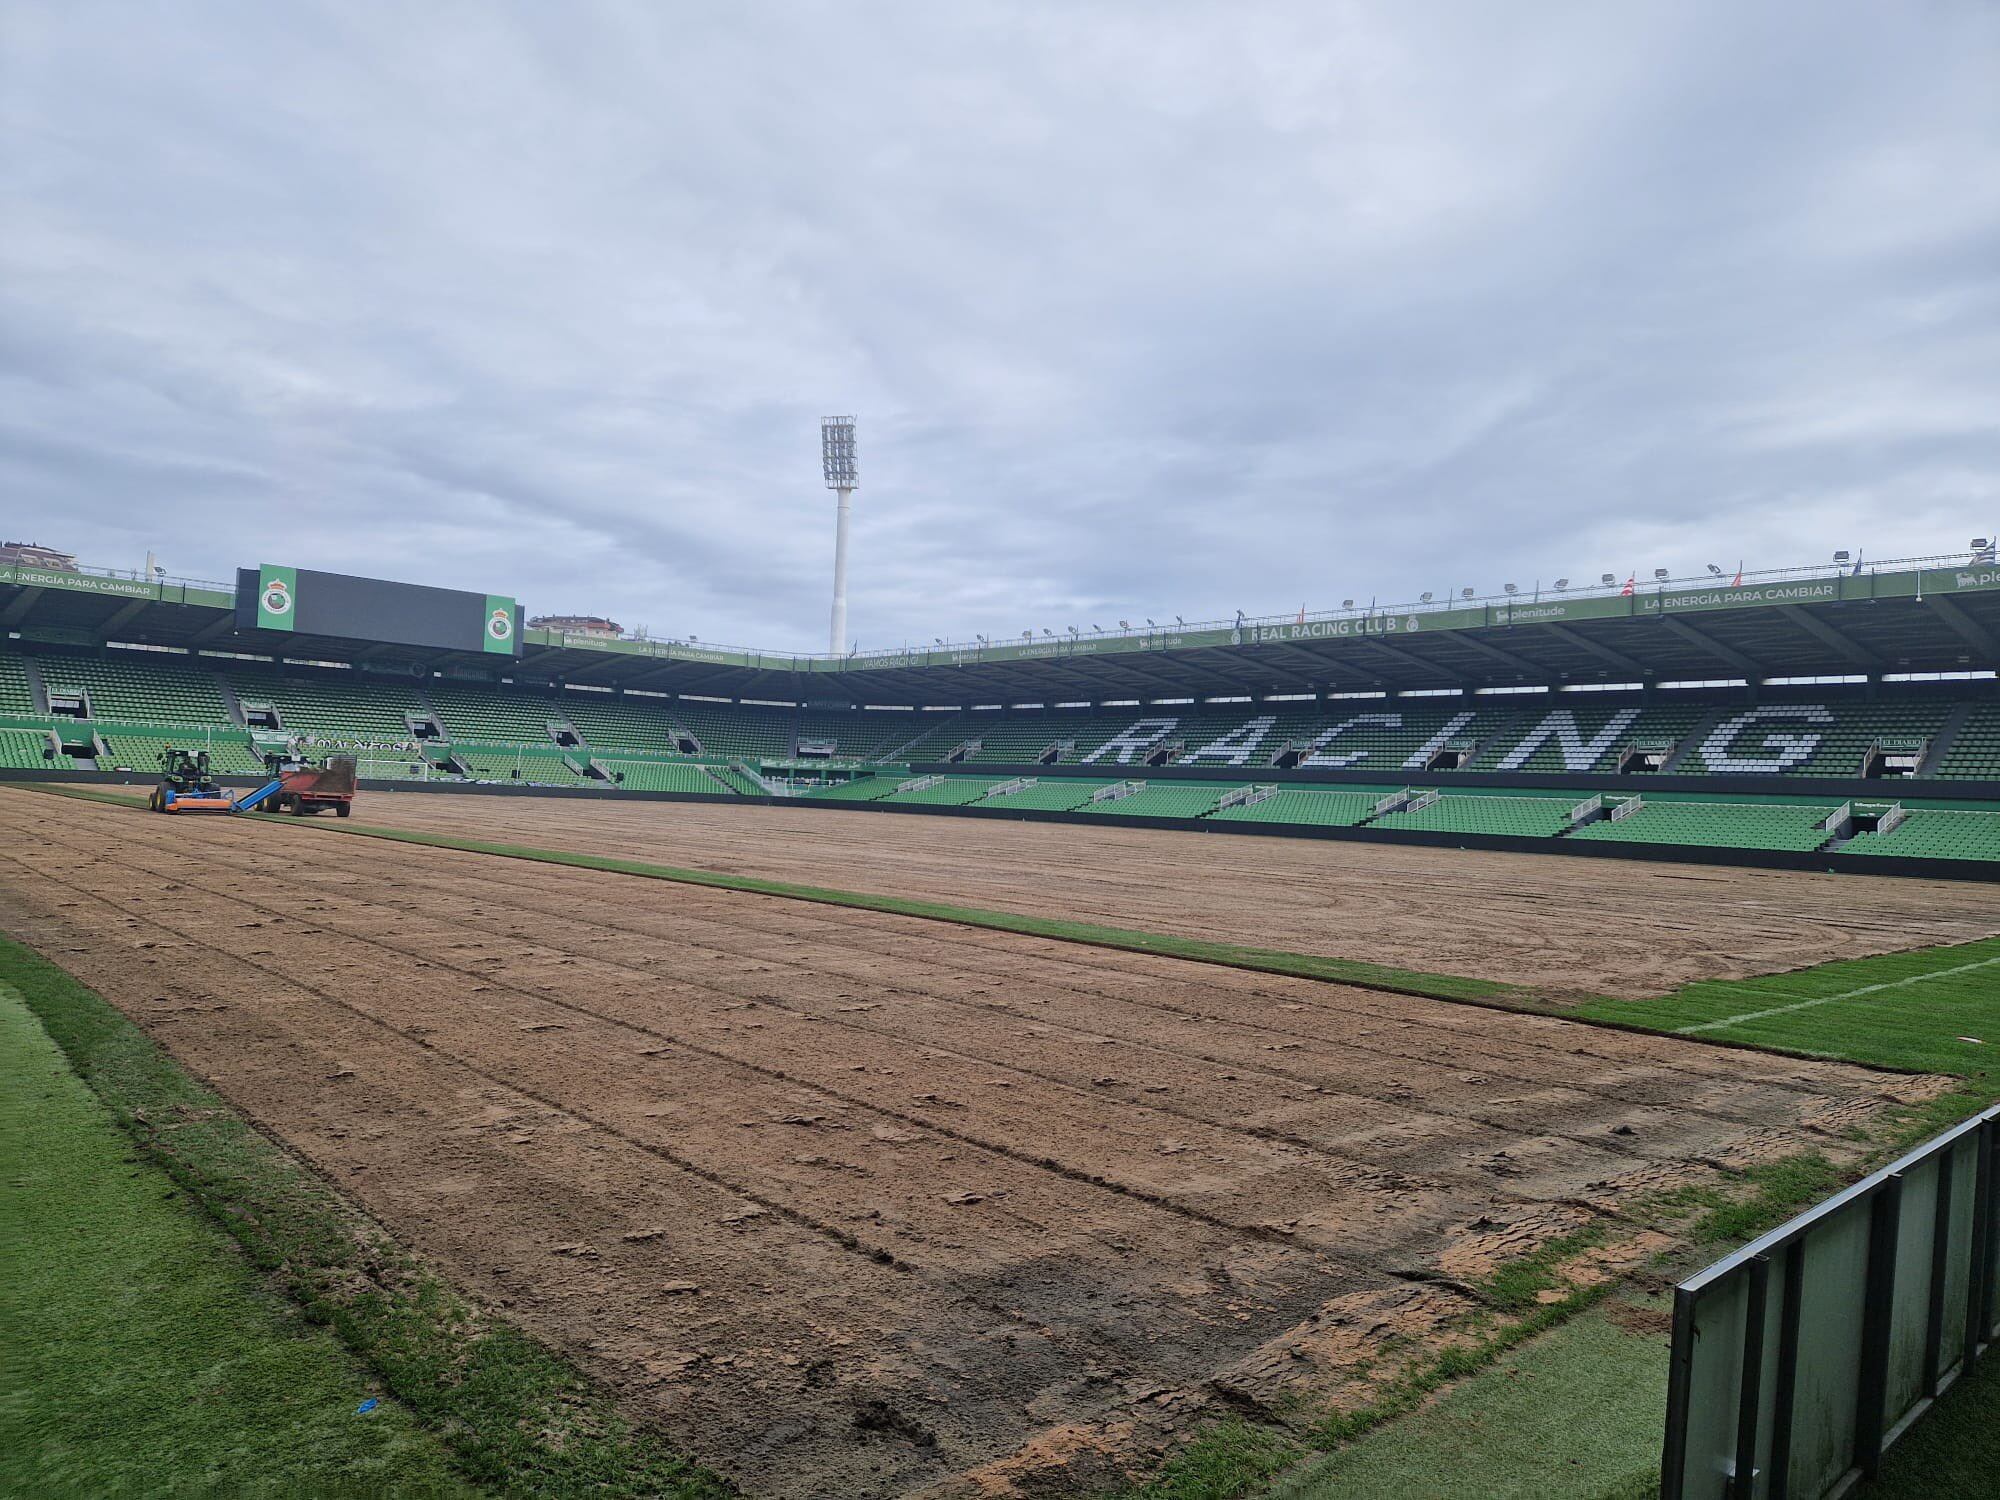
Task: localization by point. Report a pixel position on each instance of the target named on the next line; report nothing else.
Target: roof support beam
(647, 679)
(1409, 659)
(1506, 658)
(1598, 649)
(125, 615)
(18, 610)
(1827, 635)
(1965, 627)
(1712, 646)
(216, 629)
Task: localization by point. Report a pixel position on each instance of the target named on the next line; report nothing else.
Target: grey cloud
(1146, 309)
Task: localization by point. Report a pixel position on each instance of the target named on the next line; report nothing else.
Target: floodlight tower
(836, 444)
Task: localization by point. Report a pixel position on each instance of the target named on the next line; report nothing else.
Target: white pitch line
(1866, 989)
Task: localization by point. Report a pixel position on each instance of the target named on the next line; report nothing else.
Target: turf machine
(188, 786)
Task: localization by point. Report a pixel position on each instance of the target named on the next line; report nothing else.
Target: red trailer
(305, 789)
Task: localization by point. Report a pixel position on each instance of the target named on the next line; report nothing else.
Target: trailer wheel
(342, 809)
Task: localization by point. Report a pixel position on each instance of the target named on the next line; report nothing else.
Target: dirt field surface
(1613, 927)
(864, 1205)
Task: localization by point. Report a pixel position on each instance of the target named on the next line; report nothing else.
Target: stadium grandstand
(1809, 715)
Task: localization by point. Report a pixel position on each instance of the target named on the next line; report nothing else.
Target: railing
(1437, 604)
(1799, 1359)
(1247, 796)
(136, 575)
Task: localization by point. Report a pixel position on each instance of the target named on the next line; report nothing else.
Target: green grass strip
(1931, 1010)
(1228, 1459)
(144, 1355)
(511, 1414)
(1573, 1415)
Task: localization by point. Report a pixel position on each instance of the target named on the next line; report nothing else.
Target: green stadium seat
(338, 708)
(953, 791)
(1329, 809)
(1161, 799)
(16, 699)
(22, 749)
(1744, 824)
(1975, 750)
(1934, 833)
(1475, 812)
(150, 687)
(666, 776)
(1052, 794)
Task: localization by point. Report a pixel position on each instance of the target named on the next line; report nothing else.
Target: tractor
(187, 786)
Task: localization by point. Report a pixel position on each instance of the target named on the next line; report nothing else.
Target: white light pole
(836, 442)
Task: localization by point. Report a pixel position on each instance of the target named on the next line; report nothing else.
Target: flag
(1855, 571)
(1302, 614)
(1737, 581)
(1626, 592)
(1987, 552)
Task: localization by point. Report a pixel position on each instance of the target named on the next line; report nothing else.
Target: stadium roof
(1916, 615)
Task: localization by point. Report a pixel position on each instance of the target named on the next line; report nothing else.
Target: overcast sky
(1145, 309)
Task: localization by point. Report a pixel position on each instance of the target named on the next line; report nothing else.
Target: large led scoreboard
(303, 602)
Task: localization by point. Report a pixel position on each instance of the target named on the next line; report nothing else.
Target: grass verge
(509, 1413)
(1954, 1450)
(1574, 1415)
(144, 1355)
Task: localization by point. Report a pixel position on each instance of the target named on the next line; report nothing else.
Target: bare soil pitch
(860, 1204)
(1606, 926)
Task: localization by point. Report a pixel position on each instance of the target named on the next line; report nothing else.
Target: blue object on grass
(366, 1407)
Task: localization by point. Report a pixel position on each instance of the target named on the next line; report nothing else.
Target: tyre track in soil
(1378, 1193)
(1616, 926)
(1113, 1335)
(1230, 1112)
(1763, 1069)
(1051, 955)
(1122, 1284)
(1034, 1123)
(857, 1337)
(936, 1234)
(945, 957)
